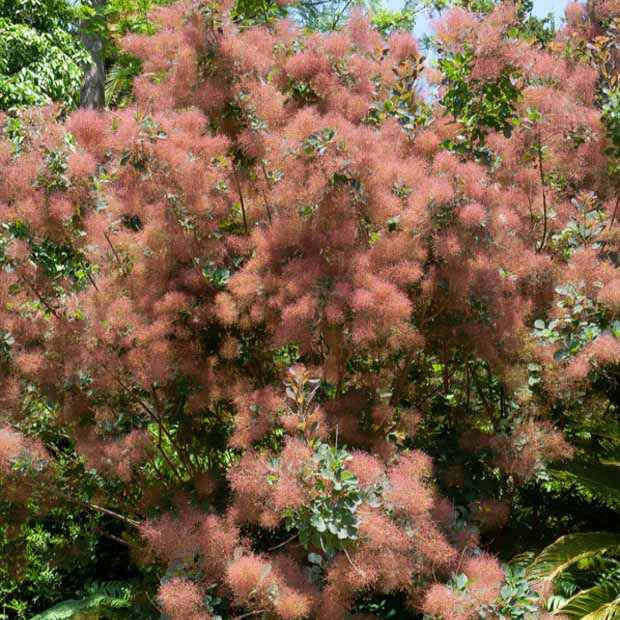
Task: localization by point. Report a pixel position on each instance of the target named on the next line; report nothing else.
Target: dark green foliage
(480, 106)
(251, 12)
(59, 551)
(40, 14)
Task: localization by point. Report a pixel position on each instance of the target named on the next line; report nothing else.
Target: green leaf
(315, 558)
(319, 524)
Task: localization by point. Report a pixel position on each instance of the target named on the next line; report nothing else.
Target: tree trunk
(93, 87)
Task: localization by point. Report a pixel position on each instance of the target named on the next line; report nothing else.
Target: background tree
(40, 58)
(92, 94)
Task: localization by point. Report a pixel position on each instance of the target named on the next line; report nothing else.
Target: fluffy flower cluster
(14, 447)
(484, 580)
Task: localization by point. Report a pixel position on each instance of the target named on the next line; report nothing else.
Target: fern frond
(569, 549)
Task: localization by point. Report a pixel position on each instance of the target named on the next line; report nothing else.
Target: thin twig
(262, 165)
(531, 210)
(152, 602)
(468, 385)
(487, 405)
(160, 417)
(340, 14)
(250, 613)
(92, 280)
(357, 568)
(116, 256)
(286, 542)
(400, 380)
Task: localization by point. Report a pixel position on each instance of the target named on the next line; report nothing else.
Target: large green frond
(601, 602)
(71, 608)
(111, 595)
(569, 549)
(599, 479)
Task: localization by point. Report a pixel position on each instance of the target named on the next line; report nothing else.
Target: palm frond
(119, 80)
(601, 602)
(599, 479)
(110, 595)
(64, 610)
(611, 431)
(522, 560)
(569, 549)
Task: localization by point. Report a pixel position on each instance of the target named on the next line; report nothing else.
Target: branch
(101, 509)
(241, 201)
(250, 613)
(262, 165)
(339, 14)
(116, 256)
(613, 216)
(400, 380)
(154, 417)
(116, 539)
(38, 294)
(282, 544)
(529, 206)
(182, 456)
(544, 196)
(111, 513)
(483, 398)
(92, 281)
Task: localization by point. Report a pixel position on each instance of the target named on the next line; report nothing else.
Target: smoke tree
(270, 265)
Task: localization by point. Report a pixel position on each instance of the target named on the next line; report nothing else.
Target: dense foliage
(311, 328)
(40, 59)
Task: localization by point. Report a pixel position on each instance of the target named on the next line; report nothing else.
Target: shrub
(276, 201)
